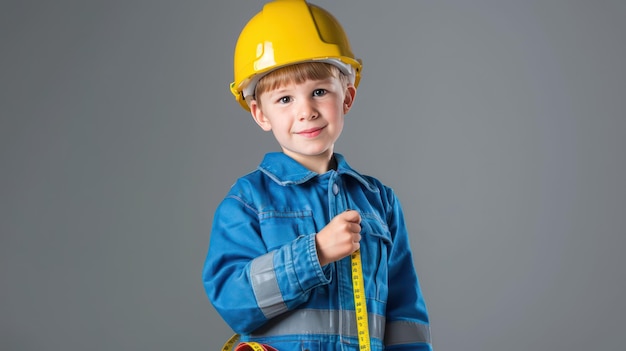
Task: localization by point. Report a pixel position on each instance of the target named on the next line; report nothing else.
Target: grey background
(500, 124)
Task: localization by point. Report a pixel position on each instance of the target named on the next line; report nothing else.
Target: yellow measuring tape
(360, 307)
(230, 344)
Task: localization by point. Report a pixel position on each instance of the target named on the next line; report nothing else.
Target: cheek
(340, 125)
(281, 126)
(337, 113)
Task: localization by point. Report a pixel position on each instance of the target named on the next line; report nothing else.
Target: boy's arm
(407, 326)
(248, 285)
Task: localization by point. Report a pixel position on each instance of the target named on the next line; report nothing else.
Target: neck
(319, 164)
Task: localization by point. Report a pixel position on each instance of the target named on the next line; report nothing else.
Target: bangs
(298, 73)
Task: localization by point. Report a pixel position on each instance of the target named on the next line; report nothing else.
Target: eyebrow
(283, 89)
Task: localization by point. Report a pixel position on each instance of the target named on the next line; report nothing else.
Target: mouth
(311, 132)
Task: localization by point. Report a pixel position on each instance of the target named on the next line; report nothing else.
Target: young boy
(279, 266)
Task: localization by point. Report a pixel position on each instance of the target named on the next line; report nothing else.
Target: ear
(259, 116)
(348, 99)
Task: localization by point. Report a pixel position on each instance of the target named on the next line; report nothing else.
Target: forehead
(298, 73)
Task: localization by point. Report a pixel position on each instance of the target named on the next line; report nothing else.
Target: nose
(306, 110)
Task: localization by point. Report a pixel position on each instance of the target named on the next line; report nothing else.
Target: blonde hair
(297, 73)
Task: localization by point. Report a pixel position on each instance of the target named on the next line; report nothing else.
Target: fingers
(353, 219)
(356, 242)
(339, 238)
(353, 227)
(351, 216)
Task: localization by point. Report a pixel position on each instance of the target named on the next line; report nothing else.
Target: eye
(284, 100)
(319, 92)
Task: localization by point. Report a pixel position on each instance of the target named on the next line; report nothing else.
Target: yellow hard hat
(287, 32)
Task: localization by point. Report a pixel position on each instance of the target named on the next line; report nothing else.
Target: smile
(310, 133)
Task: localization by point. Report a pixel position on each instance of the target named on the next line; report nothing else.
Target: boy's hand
(339, 238)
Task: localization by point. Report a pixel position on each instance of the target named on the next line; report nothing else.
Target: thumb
(352, 216)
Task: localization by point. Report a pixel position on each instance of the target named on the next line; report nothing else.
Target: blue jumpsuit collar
(285, 171)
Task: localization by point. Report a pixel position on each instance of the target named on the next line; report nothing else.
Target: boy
(278, 269)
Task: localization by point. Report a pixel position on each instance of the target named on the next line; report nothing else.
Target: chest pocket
(281, 227)
(375, 247)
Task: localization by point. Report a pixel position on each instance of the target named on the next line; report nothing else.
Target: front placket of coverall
(337, 203)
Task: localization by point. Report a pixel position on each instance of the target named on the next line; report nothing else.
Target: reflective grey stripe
(405, 332)
(309, 321)
(265, 286)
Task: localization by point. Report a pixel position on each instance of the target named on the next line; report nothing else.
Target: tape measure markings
(360, 308)
(360, 305)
